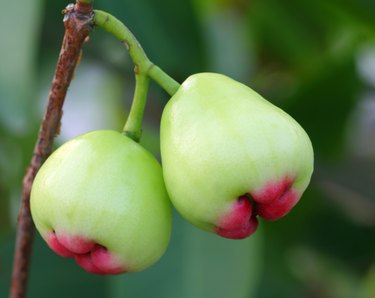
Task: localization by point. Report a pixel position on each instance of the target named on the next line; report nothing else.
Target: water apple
(100, 198)
(229, 156)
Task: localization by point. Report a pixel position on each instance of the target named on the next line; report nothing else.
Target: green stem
(143, 65)
(133, 126)
(163, 79)
(144, 69)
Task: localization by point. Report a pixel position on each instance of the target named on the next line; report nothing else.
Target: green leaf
(323, 104)
(19, 41)
(221, 268)
(197, 264)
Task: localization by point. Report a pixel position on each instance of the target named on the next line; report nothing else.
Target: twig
(78, 23)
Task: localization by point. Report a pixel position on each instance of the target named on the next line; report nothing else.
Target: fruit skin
(101, 199)
(229, 155)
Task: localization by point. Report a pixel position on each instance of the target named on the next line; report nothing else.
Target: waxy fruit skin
(101, 199)
(229, 156)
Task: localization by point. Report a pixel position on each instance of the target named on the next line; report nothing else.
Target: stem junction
(143, 69)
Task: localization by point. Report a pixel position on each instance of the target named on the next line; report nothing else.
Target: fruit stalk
(143, 69)
(142, 63)
(133, 126)
(78, 24)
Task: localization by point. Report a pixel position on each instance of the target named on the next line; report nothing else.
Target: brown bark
(78, 24)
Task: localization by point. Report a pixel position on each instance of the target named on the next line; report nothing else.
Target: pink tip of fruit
(57, 247)
(272, 191)
(76, 244)
(272, 202)
(276, 199)
(86, 263)
(91, 256)
(279, 207)
(239, 223)
(99, 261)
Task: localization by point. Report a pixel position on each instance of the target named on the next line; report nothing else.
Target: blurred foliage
(305, 56)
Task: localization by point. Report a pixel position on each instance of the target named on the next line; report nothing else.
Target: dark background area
(313, 58)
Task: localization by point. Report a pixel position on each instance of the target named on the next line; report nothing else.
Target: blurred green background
(314, 58)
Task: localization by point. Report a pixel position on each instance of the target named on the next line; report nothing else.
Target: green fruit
(229, 155)
(101, 199)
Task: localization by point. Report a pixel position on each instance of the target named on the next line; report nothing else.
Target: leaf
(197, 264)
(19, 41)
(323, 104)
(220, 268)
